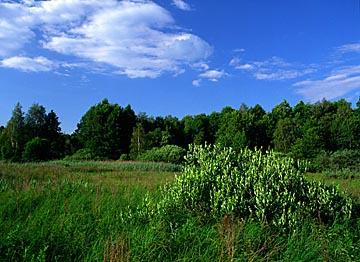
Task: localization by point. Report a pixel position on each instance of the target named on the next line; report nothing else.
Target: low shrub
(81, 154)
(124, 157)
(336, 160)
(169, 153)
(251, 184)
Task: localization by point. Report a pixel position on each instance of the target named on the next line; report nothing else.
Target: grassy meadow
(91, 211)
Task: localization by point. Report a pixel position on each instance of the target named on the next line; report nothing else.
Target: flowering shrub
(251, 184)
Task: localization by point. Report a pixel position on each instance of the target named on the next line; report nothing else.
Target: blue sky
(176, 57)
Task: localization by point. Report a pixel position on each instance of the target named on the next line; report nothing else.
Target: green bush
(169, 153)
(124, 157)
(337, 160)
(81, 154)
(37, 149)
(251, 184)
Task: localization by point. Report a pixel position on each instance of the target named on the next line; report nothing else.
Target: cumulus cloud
(272, 69)
(182, 5)
(213, 75)
(28, 64)
(338, 83)
(133, 38)
(208, 74)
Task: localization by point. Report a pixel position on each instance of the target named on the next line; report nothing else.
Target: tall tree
(53, 135)
(35, 121)
(13, 136)
(230, 132)
(106, 129)
(285, 135)
(137, 145)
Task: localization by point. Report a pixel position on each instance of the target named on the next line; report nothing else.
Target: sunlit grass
(87, 211)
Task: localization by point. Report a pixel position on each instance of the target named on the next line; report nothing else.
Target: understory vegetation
(222, 205)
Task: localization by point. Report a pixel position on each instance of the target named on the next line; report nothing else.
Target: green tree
(197, 129)
(343, 126)
(106, 129)
(285, 135)
(137, 145)
(230, 132)
(37, 149)
(13, 137)
(308, 145)
(35, 121)
(323, 115)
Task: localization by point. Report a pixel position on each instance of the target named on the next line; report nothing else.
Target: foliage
(37, 149)
(124, 157)
(21, 129)
(81, 154)
(137, 145)
(106, 129)
(251, 184)
(109, 130)
(337, 160)
(169, 153)
(36, 121)
(13, 137)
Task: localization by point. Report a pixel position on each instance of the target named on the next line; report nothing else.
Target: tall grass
(91, 211)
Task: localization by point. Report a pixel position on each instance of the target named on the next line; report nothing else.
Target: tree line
(109, 131)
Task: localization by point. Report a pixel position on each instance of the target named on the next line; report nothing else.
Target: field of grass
(91, 211)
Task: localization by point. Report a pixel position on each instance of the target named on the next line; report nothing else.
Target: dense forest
(109, 131)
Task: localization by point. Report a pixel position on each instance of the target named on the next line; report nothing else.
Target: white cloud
(239, 50)
(196, 82)
(201, 66)
(245, 67)
(182, 5)
(350, 48)
(208, 74)
(337, 84)
(15, 32)
(272, 69)
(213, 75)
(135, 38)
(235, 62)
(27, 64)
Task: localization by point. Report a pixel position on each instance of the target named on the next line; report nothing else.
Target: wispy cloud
(196, 82)
(349, 48)
(28, 64)
(133, 38)
(272, 69)
(239, 50)
(328, 80)
(15, 31)
(182, 5)
(337, 79)
(336, 84)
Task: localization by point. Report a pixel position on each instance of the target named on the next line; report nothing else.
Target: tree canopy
(108, 131)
